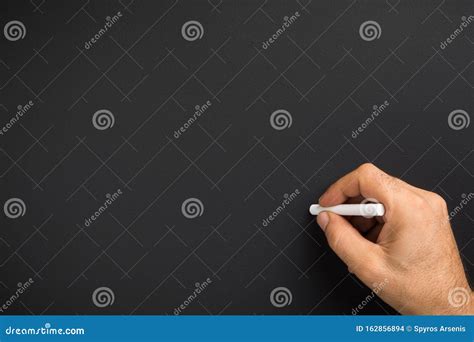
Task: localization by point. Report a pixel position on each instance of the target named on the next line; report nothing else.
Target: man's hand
(411, 250)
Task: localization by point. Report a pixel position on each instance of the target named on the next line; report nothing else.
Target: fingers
(355, 200)
(357, 252)
(367, 181)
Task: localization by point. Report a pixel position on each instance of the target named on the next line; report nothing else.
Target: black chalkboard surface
(160, 157)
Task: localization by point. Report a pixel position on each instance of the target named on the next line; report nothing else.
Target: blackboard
(160, 157)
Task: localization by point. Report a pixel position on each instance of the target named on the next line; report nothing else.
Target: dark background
(150, 78)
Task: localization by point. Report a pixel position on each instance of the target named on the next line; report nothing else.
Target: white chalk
(367, 209)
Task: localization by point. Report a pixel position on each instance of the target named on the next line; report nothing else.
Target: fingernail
(323, 220)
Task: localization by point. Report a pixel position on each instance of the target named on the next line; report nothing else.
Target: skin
(410, 255)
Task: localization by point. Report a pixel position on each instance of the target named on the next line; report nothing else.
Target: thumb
(358, 253)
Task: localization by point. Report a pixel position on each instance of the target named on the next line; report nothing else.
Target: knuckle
(367, 169)
(438, 201)
(419, 202)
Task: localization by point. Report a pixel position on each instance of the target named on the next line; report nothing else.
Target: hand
(410, 254)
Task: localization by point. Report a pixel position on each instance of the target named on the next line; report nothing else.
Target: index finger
(367, 181)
